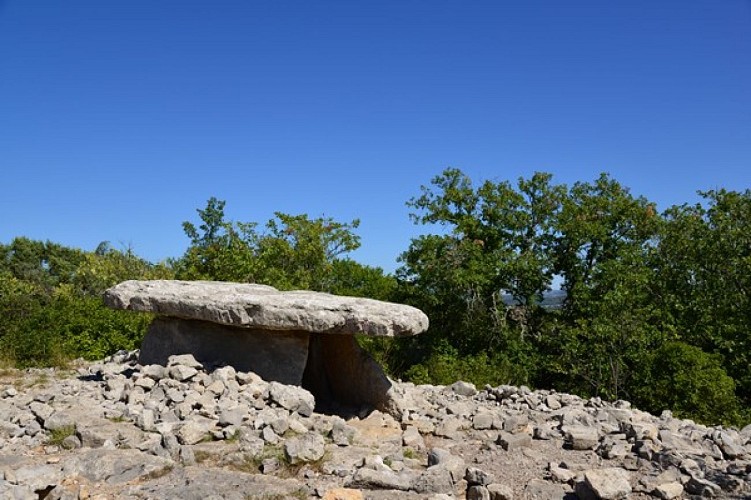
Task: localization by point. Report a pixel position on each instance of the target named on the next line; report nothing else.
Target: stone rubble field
(116, 429)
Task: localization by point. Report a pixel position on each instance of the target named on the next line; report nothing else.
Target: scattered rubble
(118, 429)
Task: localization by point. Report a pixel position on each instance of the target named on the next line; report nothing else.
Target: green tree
(45, 263)
(107, 267)
(605, 238)
(496, 239)
(293, 251)
(219, 250)
(299, 252)
(689, 382)
(704, 260)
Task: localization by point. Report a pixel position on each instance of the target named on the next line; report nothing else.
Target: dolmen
(297, 338)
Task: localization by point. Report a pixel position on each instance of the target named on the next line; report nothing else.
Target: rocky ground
(116, 429)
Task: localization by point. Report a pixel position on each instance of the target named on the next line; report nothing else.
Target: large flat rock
(264, 307)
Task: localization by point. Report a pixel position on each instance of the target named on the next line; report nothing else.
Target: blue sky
(119, 119)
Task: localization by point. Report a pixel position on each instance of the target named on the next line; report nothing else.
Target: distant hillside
(550, 300)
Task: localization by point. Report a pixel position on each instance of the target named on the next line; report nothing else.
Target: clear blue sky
(119, 119)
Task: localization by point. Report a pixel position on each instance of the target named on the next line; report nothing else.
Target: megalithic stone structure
(298, 338)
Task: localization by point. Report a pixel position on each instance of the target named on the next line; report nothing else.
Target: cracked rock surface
(117, 429)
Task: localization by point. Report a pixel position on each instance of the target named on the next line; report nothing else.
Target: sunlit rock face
(298, 337)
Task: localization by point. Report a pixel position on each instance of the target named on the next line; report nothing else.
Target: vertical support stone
(274, 355)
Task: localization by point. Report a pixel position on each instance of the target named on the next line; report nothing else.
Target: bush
(691, 383)
(52, 329)
(479, 369)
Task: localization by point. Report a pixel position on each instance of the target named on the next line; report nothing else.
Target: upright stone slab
(255, 350)
(300, 337)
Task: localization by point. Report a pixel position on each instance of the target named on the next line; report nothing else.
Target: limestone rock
(343, 494)
(669, 491)
(260, 306)
(383, 480)
(116, 466)
(607, 484)
(306, 448)
(292, 398)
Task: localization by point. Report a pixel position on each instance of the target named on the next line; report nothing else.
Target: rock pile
(120, 429)
(300, 337)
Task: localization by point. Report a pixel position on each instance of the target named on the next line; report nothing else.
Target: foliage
(705, 279)
(107, 267)
(496, 240)
(445, 368)
(67, 325)
(294, 251)
(636, 282)
(656, 310)
(51, 306)
(603, 254)
(42, 263)
(691, 383)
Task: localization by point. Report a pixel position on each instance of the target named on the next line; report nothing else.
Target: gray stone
(39, 477)
(608, 484)
(71, 442)
(279, 356)
(183, 360)
(60, 421)
(232, 416)
(155, 372)
(16, 492)
(260, 306)
(445, 459)
(182, 373)
(292, 398)
(194, 430)
(463, 388)
(476, 492)
(412, 438)
(668, 491)
(342, 434)
(269, 435)
(116, 466)
(500, 492)
(145, 383)
(483, 420)
(560, 474)
(702, 487)
(580, 437)
(379, 479)
(147, 421)
(200, 483)
(306, 448)
(41, 410)
(435, 479)
(449, 427)
(553, 402)
(475, 476)
(187, 457)
(511, 442)
(538, 489)
(515, 423)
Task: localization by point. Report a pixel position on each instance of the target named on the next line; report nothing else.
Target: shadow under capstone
(344, 379)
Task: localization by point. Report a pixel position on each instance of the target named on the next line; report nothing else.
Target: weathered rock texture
(279, 356)
(264, 307)
(300, 337)
(121, 430)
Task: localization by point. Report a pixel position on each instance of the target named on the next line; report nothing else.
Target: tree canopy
(656, 305)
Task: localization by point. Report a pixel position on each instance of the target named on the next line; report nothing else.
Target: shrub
(479, 369)
(691, 383)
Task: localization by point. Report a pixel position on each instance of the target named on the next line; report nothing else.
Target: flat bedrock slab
(265, 307)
